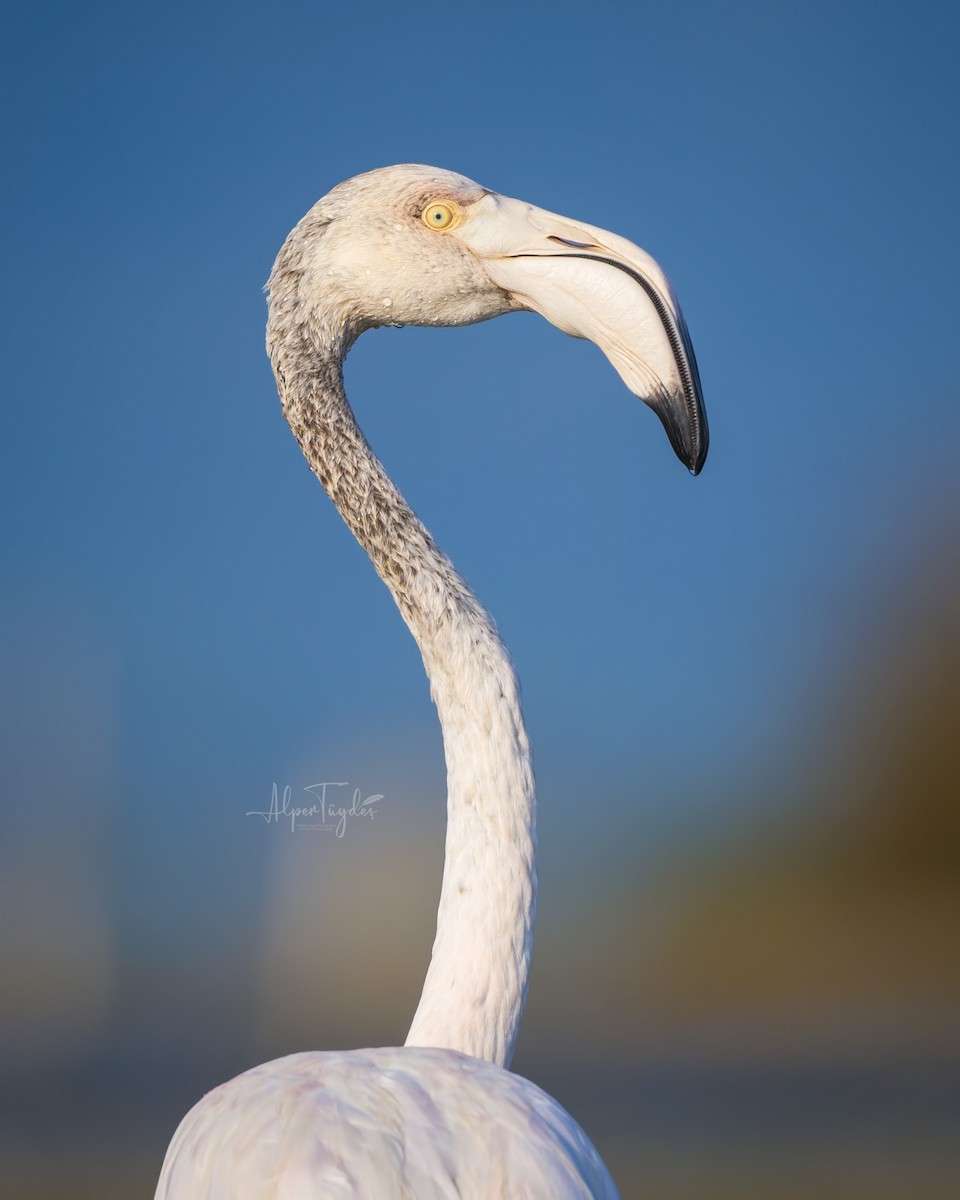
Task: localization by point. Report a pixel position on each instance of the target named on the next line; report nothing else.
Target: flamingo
(442, 1115)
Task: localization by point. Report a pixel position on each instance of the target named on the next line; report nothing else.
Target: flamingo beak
(595, 285)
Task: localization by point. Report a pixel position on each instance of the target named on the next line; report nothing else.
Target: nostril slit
(552, 237)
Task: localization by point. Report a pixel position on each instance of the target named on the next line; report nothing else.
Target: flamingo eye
(440, 214)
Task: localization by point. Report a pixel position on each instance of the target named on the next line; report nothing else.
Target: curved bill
(593, 284)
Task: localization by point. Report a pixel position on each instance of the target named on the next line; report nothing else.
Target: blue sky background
(185, 620)
(166, 550)
(170, 565)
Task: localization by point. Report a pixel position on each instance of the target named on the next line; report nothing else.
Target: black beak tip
(687, 432)
(699, 456)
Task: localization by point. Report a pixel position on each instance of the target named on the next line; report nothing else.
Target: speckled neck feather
(475, 988)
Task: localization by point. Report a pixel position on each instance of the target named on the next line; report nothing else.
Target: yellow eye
(439, 215)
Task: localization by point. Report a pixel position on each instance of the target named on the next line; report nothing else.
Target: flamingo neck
(475, 988)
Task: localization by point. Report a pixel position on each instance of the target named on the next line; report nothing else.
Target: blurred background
(742, 690)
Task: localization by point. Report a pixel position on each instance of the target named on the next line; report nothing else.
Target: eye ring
(440, 214)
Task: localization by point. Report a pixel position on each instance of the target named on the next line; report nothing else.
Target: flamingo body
(403, 1122)
(441, 1116)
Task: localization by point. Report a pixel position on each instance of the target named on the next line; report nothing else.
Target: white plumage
(441, 1116)
(385, 1124)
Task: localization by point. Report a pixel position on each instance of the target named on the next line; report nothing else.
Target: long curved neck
(475, 988)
